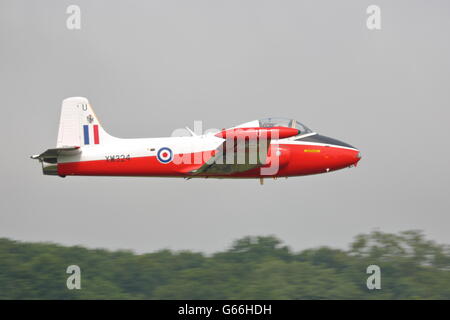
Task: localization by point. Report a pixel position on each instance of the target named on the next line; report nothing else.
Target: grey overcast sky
(149, 67)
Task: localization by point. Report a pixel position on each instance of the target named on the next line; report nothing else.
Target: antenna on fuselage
(191, 132)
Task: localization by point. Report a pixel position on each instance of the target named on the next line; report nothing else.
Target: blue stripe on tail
(86, 134)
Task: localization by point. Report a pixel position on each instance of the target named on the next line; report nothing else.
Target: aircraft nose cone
(357, 157)
(349, 158)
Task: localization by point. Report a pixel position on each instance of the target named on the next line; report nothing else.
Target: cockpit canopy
(284, 122)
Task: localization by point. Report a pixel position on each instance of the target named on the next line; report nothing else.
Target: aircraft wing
(234, 156)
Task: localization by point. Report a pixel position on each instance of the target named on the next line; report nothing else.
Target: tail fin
(79, 126)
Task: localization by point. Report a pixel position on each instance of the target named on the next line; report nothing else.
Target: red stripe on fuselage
(293, 161)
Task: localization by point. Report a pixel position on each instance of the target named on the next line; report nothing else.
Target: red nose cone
(358, 157)
(343, 158)
(350, 157)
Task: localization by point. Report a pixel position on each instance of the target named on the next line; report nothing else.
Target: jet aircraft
(265, 148)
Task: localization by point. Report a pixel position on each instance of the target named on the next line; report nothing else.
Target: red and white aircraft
(271, 147)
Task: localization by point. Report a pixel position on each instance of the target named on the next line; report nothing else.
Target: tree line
(411, 267)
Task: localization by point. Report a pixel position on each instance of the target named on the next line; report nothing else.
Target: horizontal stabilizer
(55, 152)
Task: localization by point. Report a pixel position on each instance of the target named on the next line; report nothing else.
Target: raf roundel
(164, 155)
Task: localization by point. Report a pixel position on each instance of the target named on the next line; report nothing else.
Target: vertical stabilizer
(79, 126)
